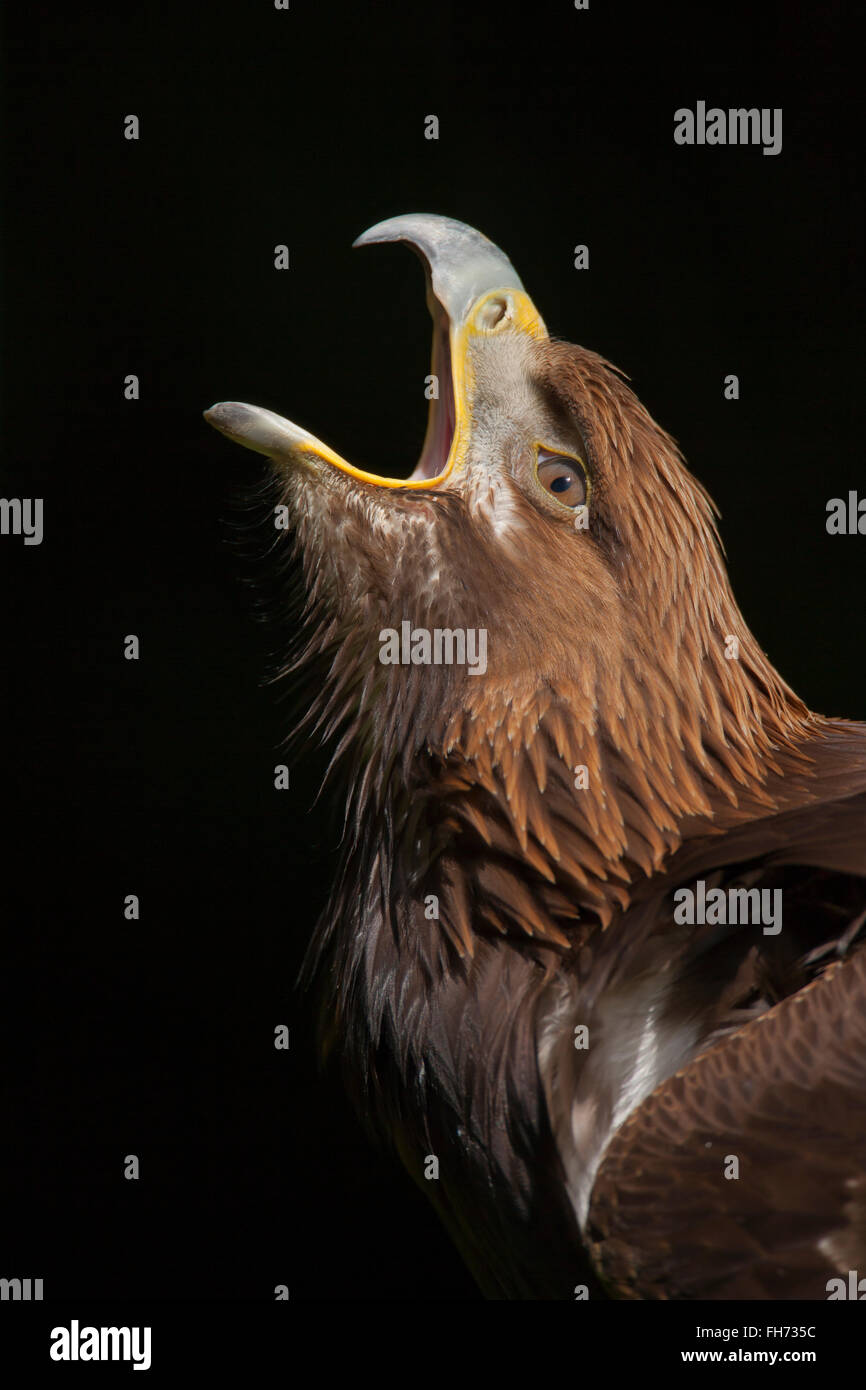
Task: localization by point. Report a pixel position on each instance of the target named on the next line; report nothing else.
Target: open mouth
(433, 463)
(472, 290)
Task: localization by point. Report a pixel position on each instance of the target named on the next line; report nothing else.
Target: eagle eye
(564, 478)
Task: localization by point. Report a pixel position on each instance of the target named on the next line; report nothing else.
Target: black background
(261, 127)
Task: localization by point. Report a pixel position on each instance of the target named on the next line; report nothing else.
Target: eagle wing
(743, 1175)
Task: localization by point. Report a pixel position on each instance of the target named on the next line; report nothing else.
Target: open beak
(473, 291)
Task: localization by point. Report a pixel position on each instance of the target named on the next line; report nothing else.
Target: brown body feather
(550, 897)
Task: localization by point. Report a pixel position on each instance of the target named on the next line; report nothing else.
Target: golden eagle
(593, 960)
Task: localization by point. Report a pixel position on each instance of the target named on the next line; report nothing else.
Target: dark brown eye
(563, 478)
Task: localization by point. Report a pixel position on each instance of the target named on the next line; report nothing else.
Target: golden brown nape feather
(634, 708)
